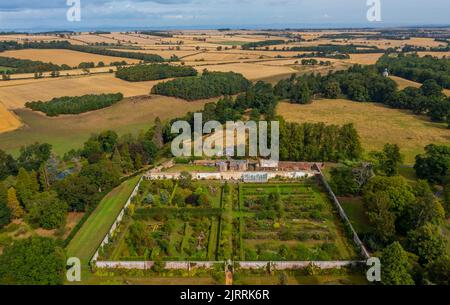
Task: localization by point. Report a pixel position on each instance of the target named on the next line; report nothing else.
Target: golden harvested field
(68, 57)
(70, 131)
(375, 123)
(364, 59)
(435, 54)
(87, 38)
(250, 71)
(22, 38)
(8, 121)
(163, 53)
(219, 56)
(16, 93)
(73, 72)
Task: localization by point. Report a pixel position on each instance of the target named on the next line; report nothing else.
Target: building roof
(268, 163)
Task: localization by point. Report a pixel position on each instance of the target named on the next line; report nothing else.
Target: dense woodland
(405, 217)
(75, 104)
(417, 68)
(154, 72)
(208, 85)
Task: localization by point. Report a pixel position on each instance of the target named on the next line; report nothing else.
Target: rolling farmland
(16, 93)
(8, 121)
(71, 131)
(68, 57)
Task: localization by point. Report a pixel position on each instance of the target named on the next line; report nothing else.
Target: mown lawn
(91, 234)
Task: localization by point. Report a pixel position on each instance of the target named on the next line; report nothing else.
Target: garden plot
(189, 220)
(172, 222)
(292, 222)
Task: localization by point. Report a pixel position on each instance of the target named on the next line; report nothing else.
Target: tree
(332, 90)
(92, 150)
(26, 185)
(428, 209)
(158, 133)
(357, 92)
(382, 219)
(427, 242)
(5, 212)
(446, 194)
(396, 267)
(78, 192)
(102, 175)
(48, 211)
(343, 181)
(397, 189)
(301, 93)
(438, 272)
(8, 166)
(33, 156)
(434, 165)
(431, 88)
(127, 162)
(390, 159)
(116, 160)
(14, 204)
(108, 141)
(32, 261)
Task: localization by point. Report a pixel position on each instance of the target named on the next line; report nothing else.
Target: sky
(184, 14)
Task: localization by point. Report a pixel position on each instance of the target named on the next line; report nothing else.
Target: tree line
(263, 43)
(417, 68)
(208, 85)
(154, 72)
(318, 142)
(366, 84)
(13, 45)
(29, 66)
(76, 104)
(342, 49)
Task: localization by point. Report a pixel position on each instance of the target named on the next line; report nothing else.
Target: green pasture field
(69, 132)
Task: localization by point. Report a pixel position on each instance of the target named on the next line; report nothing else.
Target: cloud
(17, 5)
(25, 14)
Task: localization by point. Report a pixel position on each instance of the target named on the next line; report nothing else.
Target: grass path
(86, 241)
